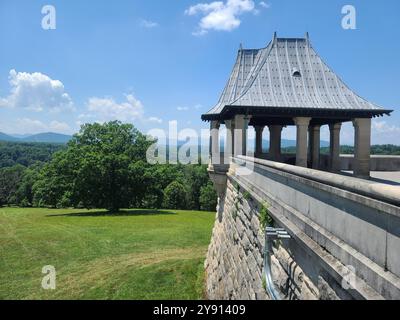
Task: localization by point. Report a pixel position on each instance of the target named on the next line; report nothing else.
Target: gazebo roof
(288, 78)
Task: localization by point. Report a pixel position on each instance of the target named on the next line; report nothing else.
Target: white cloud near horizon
(36, 92)
(219, 15)
(33, 126)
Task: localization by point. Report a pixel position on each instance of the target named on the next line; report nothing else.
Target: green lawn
(138, 254)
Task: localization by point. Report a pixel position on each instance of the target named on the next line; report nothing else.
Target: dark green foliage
(10, 178)
(175, 196)
(103, 166)
(26, 154)
(24, 193)
(93, 171)
(208, 197)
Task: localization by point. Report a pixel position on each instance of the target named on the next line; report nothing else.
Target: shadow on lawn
(122, 213)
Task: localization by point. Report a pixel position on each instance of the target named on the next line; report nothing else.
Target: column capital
(215, 124)
(357, 122)
(302, 121)
(315, 127)
(230, 124)
(275, 127)
(259, 128)
(335, 126)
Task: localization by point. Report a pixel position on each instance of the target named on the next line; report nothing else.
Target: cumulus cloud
(33, 126)
(107, 109)
(36, 92)
(219, 15)
(264, 4)
(148, 24)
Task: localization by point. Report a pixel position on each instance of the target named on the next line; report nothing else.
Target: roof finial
(307, 39)
(275, 37)
(240, 47)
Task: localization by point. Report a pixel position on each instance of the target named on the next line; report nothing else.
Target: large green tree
(95, 170)
(10, 179)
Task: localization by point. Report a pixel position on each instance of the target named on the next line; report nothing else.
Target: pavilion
(288, 84)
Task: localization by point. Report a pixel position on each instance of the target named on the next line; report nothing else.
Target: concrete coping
(377, 156)
(371, 189)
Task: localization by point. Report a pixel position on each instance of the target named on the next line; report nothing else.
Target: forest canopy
(103, 166)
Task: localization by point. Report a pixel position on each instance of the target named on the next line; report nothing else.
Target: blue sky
(150, 62)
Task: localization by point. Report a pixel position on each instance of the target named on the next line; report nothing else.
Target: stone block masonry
(344, 235)
(234, 264)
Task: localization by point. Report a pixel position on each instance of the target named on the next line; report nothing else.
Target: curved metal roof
(287, 74)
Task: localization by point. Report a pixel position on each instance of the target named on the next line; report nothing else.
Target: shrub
(175, 196)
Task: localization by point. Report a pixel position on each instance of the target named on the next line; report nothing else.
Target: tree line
(103, 166)
(384, 149)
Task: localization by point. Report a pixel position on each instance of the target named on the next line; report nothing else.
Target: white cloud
(219, 15)
(148, 24)
(36, 92)
(264, 4)
(155, 120)
(196, 107)
(106, 109)
(33, 126)
(61, 127)
(182, 108)
(383, 127)
(385, 133)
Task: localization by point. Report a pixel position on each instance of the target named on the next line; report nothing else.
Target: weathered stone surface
(234, 264)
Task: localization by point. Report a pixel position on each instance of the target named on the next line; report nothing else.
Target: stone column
(258, 142)
(334, 148)
(301, 140)
(215, 152)
(228, 150)
(315, 145)
(275, 140)
(240, 135)
(362, 147)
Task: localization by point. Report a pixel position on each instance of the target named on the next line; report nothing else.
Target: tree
(24, 192)
(95, 169)
(175, 196)
(195, 177)
(9, 180)
(208, 197)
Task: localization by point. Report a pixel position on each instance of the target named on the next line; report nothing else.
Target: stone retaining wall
(234, 264)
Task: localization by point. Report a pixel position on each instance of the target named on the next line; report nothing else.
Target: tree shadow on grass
(122, 213)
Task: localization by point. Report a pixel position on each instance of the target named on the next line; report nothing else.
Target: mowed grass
(137, 254)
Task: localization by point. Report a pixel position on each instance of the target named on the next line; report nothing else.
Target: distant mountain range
(47, 137)
(285, 143)
(51, 137)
